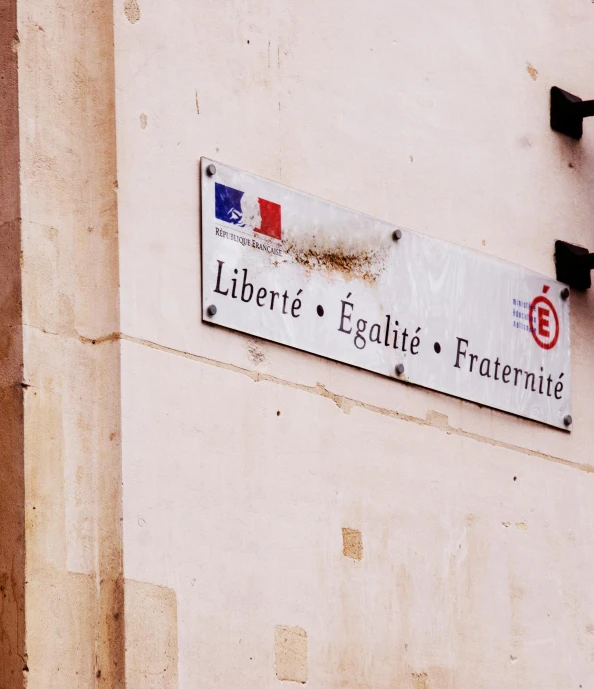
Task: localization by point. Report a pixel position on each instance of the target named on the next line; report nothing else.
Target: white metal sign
(285, 266)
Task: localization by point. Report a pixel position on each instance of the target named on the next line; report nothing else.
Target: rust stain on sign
(351, 263)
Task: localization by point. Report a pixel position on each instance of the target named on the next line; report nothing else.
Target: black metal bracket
(568, 112)
(573, 264)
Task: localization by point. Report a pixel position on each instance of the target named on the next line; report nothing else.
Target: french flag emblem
(241, 209)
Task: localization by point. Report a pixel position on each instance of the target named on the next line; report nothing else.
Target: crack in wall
(346, 404)
(432, 419)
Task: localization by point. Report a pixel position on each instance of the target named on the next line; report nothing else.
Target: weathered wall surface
(475, 560)
(244, 461)
(74, 609)
(12, 492)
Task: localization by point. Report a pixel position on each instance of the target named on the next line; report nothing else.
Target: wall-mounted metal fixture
(573, 264)
(568, 112)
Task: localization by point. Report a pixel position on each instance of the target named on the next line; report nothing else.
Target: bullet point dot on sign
(320, 310)
(437, 347)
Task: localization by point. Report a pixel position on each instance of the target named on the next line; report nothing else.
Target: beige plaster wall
(74, 588)
(475, 564)
(285, 518)
(12, 492)
(244, 462)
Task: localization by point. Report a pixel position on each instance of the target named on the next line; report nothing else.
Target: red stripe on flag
(270, 213)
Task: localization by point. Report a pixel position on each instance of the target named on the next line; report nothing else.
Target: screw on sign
(544, 322)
